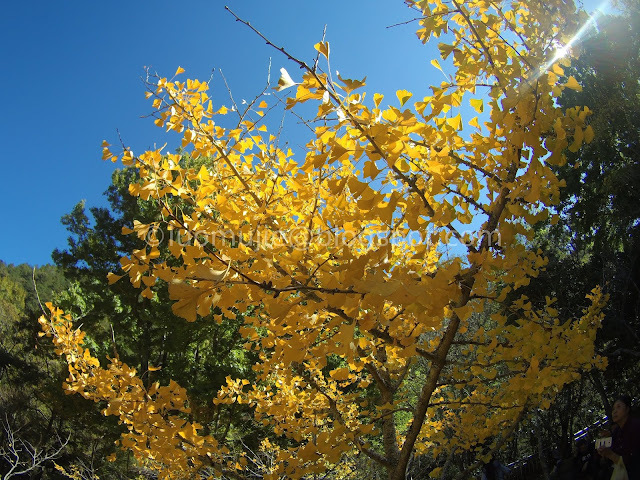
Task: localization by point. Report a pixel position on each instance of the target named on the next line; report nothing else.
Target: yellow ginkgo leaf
(179, 71)
(113, 278)
(573, 84)
(350, 84)
(323, 48)
(403, 96)
(588, 134)
(557, 69)
(285, 80)
(106, 153)
(478, 104)
(445, 50)
(455, 122)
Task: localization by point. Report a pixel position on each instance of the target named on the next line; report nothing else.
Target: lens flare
(589, 24)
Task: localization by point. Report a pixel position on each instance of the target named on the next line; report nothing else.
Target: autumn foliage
(371, 339)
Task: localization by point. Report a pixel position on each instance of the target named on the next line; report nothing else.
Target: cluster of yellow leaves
(522, 359)
(158, 433)
(342, 251)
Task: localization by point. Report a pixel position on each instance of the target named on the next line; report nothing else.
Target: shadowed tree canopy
(597, 239)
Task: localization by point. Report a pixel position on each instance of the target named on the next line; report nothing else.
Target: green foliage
(32, 405)
(600, 229)
(142, 330)
(597, 238)
(47, 279)
(603, 184)
(12, 305)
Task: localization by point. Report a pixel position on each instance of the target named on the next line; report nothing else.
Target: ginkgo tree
(337, 254)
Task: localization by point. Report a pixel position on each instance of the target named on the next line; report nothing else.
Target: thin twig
(233, 102)
(35, 287)
(406, 22)
(315, 63)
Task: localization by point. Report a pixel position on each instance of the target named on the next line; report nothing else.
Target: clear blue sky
(71, 78)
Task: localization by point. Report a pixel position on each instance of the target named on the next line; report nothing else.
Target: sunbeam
(591, 23)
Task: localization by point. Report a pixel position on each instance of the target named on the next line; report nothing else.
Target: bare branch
(22, 456)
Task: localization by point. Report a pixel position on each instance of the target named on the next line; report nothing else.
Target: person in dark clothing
(494, 470)
(563, 468)
(586, 463)
(625, 444)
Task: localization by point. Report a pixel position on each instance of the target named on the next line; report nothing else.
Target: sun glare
(589, 24)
